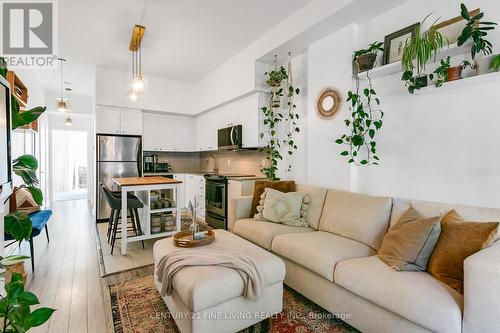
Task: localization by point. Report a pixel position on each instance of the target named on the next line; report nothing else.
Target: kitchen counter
(202, 173)
(135, 181)
(242, 178)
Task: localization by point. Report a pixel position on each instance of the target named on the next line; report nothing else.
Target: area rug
(136, 257)
(138, 307)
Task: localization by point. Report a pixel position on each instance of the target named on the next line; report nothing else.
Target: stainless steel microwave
(230, 138)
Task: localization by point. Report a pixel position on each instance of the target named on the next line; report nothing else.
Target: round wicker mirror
(329, 102)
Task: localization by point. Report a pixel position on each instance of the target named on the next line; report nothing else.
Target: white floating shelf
(464, 82)
(395, 67)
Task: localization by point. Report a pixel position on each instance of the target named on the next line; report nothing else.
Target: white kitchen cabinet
(206, 126)
(112, 120)
(167, 133)
(182, 200)
(131, 122)
(182, 134)
(194, 186)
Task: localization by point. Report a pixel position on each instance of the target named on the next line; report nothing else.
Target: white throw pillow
(287, 208)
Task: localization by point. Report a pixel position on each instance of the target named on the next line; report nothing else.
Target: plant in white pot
(476, 31)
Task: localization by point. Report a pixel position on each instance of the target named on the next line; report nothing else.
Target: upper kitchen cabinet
(112, 120)
(245, 111)
(167, 133)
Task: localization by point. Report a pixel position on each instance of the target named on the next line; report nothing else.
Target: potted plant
(364, 59)
(496, 63)
(476, 31)
(418, 50)
(14, 264)
(445, 72)
(15, 308)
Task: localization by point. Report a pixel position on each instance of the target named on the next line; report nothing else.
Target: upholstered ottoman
(208, 299)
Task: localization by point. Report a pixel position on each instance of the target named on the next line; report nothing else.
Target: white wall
(441, 146)
(164, 95)
(329, 66)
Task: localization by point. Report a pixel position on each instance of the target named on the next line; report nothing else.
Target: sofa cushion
(319, 251)
(261, 185)
(416, 296)
(262, 233)
(287, 208)
(356, 216)
(408, 245)
(459, 240)
(317, 195)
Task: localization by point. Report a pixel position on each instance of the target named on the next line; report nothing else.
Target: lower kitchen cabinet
(193, 186)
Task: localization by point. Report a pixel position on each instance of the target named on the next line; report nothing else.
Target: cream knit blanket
(246, 267)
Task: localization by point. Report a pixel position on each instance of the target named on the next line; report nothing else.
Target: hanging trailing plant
(292, 117)
(280, 80)
(365, 122)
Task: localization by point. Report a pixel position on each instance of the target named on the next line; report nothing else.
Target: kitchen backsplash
(243, 161)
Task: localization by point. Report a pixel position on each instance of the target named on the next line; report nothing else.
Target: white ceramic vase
(483, 64)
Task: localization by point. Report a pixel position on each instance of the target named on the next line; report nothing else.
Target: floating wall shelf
(395, 67)
(465, 82)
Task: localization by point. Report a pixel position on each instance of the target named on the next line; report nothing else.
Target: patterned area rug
(137, 307)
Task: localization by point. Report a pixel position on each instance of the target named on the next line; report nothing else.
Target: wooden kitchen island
(142, 187)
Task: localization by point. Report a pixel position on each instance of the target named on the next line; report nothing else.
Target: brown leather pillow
(260, 185)
(22, 201)
(459, 239)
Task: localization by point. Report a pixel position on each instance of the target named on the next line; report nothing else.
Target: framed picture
(452, 28)
(395, 42)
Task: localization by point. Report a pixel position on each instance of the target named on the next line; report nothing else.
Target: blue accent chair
(39, 222)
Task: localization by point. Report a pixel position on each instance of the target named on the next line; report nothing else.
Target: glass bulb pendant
(133, 96)
(139, 84)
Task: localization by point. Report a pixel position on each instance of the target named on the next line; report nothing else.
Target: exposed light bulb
(133, 96)
(62, 105)
(139, 84)
(68, 122)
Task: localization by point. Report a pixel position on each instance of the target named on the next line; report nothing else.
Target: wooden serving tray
(185, 239)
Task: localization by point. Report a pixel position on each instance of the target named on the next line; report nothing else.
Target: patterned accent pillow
(286, 208)
(22, 201)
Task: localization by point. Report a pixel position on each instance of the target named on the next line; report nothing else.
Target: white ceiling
(184, 40)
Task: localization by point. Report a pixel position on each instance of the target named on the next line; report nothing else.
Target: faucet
(215, 169)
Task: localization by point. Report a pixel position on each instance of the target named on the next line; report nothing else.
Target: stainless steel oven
(216, 201)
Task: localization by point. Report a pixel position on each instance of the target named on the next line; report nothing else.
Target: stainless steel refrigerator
(117, 156)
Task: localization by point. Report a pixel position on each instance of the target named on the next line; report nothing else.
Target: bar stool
(115, 202)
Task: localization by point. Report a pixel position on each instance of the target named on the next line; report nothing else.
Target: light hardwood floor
(67, 275)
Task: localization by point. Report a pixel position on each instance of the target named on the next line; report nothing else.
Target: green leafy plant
(17, 224)
(291, 118)
(442, 72)
(373, 48)
(15, 308)
(496, 63)
(281, 84)
(365, 122)
(12, 260)
(417, 52)
(476, 31)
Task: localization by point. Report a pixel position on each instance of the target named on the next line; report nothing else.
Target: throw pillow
(22, 201)
(287, 208)
(459, 239)
(409, 243)
(260, 185)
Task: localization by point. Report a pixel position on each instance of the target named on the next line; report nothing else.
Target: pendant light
(62, 104)
(139, 84)
(68, 121)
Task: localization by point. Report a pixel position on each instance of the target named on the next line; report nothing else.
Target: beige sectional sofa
(333, 262)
